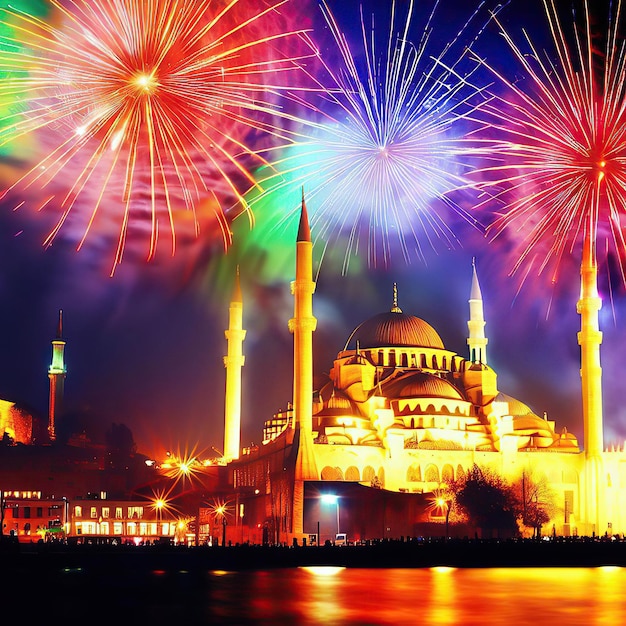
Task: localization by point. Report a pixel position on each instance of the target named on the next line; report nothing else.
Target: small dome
(516, 407)
(422, 385)
(395, 329)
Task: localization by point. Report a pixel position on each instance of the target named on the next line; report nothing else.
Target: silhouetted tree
(120, 445)
(535, 501)
(487, 500)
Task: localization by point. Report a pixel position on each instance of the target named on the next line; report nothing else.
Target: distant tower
(302, 326)
(233, 362)
(476, 341)
(56, 374)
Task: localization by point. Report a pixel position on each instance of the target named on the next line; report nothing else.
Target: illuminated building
(15, 423)
(402, 414)
(30, 516)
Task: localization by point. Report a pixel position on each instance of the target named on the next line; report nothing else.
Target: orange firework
(146, 109)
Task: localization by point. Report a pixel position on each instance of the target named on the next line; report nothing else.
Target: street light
(221, 512)
(158, 505)
(331, 498)
(443, 503)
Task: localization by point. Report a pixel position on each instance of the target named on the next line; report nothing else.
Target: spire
(60, 325)
(304, 230)
(477, 341)
(475, 293)
(237, 297)
(394, 307)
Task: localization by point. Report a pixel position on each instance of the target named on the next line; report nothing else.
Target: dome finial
(395, 308)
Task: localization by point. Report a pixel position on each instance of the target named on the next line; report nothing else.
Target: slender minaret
(56, 374)
(589, 340)
(233, 362)
(476, 341)
(302, 326)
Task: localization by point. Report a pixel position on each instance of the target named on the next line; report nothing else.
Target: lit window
(105, 512)
(78, 511)
(118, 528)
(93, 513)
(118, 512)
(135, 512)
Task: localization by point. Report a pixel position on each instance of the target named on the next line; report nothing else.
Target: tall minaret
(233, 362)
(56, 374)
(589, 340)
(302, 326)
(476, 341)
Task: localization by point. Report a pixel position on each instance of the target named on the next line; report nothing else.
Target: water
(350, 596)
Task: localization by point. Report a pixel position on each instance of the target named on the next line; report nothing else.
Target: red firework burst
(146, 111)
(557, 144)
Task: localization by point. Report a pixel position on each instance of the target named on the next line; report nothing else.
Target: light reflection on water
(337, 597)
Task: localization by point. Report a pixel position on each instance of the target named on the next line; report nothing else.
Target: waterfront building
(401, 414)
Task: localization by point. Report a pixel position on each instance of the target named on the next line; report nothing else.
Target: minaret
(476, 341)
(302, 326)
(589, 340)
(233, 362)
(56, 374)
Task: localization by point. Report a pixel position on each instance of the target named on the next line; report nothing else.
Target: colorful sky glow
(417, 130)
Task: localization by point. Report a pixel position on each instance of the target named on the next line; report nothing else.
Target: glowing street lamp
(220, 511)
(442, 503)
(331, 498)
(159, 503)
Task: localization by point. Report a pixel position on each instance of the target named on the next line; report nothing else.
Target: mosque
(399, 416)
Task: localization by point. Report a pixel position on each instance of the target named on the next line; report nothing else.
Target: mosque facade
(400, 415)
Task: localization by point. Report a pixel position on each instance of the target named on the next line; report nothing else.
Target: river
(337, 596)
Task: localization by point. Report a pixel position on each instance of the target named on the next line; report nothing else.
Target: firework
(557, 144)
(380, 152)
(145, 112)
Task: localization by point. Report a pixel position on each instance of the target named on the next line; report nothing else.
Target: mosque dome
(395, 329)
(423, 385)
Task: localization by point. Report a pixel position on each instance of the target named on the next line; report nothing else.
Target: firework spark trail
(557, 141)
(145, 108)
(380, 153)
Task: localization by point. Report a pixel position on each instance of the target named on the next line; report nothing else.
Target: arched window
(368, 473)
(447, 473)
(332, 473)
(414, 474)
(381, 476)
(431, 474)
(352, 473)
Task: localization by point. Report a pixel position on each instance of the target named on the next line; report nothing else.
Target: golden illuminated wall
(16, 423)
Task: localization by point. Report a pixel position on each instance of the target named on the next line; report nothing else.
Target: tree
(487, 500)
(120, 444)
(535, 501)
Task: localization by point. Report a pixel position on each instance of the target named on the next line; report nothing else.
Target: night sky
(145, 347)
